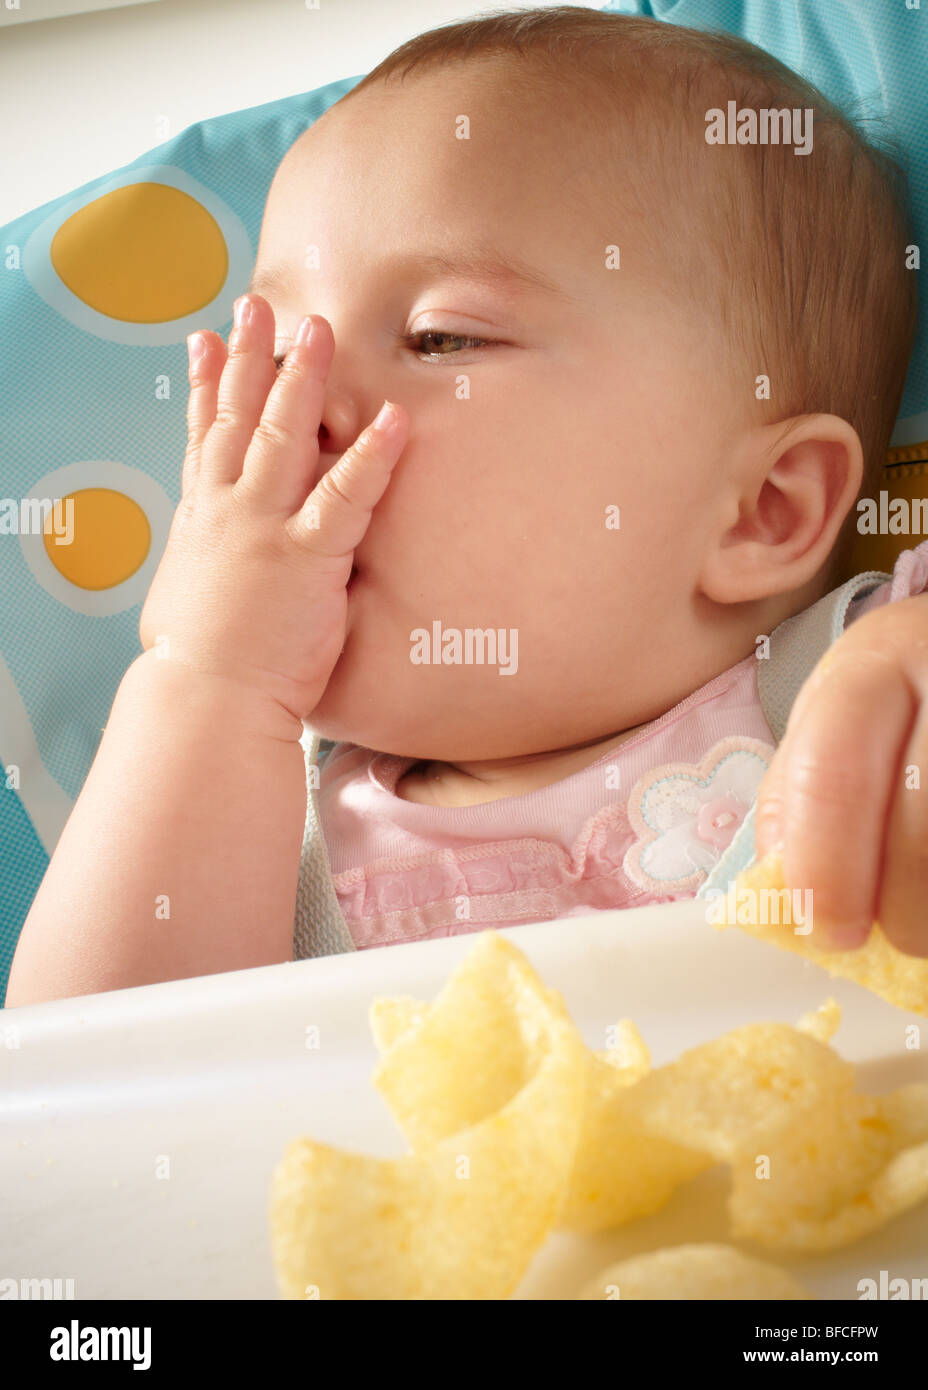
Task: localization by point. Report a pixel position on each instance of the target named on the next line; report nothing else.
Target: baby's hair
(807, 281)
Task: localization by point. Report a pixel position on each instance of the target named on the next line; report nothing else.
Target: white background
(84, 95)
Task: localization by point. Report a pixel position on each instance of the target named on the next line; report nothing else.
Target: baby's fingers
(832, 789)
(245, 380)
(206, 354)
(904, 888)
(283, 457)
(336, 514)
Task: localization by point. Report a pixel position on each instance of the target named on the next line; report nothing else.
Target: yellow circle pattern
(110, 539)
(144, 253)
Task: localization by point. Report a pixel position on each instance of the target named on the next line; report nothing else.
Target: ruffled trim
(506, 881)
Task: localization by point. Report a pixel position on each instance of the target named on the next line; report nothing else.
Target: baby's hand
(847, 790)
(251, 585)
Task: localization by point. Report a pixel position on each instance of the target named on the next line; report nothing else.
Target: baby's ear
(795, 483)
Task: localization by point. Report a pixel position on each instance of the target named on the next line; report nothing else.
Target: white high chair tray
(213, 1075)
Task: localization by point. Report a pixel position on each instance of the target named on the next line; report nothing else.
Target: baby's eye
(443, 339)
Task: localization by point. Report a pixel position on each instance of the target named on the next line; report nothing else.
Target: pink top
(643, 824)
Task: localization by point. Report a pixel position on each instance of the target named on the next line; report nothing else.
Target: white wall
(82, 95)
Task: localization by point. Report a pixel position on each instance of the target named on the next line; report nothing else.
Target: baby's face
(594, 399)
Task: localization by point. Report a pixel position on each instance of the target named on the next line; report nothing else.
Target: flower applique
(685, 815)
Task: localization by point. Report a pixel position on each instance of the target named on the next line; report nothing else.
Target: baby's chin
(377, 698)
(358, 705)
(369, 704)
(374, 704)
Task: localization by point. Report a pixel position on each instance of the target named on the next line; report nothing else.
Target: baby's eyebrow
(480, 266)
(488, 266)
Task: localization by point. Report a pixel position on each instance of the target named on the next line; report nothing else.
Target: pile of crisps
(516, 1128)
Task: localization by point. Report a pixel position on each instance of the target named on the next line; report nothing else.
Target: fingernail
(242, 311)
(304, 333)
(386, 417)
(196, 347)
(833, 934)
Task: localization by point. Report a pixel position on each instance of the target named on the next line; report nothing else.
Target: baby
(639, 379)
